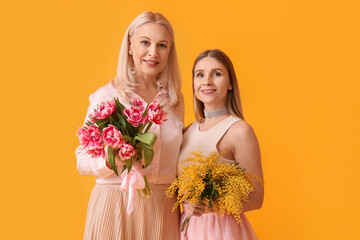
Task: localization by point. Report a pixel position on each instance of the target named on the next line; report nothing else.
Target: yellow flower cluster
(222, 186)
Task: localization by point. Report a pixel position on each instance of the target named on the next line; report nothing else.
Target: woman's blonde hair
(169, 79)
(233, 102)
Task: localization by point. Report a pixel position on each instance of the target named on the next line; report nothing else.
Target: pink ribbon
(132, 181)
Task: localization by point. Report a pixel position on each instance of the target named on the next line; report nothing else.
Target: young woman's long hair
(233, 102)
(169, 79)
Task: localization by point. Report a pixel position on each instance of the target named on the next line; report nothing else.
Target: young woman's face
(150, 47)
(211, 83)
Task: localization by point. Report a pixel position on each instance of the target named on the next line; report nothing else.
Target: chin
(150, 72)
(208, 99)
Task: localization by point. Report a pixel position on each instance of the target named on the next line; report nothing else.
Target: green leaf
(139, 154)
(122, 121)
(146, 110)
(123, 169)
(138, 145)
(129, 163)
(102, 124)
(144, 145)
(148, 156)
(147, 138)
(117, 125)
(138, 128)
(126, 138)
(111, 157)
(213, 189)
(118, 105)
(124, 130)
(130, 128)
(112, 122)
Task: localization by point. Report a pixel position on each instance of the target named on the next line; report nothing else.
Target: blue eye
(216, 74)
(163, 45)
(199, 75)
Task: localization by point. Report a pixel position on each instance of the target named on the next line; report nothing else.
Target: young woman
(147, 69)
(220, 126)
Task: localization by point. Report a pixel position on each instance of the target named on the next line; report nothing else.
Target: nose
(207, 80)
(152, 50)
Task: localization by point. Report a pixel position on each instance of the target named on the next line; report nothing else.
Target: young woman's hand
(194, 209)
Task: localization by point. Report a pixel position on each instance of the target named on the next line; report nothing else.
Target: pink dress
(210, 225)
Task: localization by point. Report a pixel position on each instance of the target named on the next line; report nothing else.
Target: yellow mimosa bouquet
(223, 187)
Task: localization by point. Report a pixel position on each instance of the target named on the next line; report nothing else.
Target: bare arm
(245, 150)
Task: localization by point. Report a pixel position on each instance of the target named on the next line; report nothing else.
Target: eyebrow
(214, 69)
(150, 39)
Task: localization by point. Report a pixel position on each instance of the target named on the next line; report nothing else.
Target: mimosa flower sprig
(223, 187)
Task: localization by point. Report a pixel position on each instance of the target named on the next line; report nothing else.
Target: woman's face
(211, 83)
(150, 47)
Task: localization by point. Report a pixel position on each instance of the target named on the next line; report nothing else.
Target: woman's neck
(146, 87)
(146, 81)
(213, 116)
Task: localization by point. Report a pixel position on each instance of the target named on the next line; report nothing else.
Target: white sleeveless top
(205, 141)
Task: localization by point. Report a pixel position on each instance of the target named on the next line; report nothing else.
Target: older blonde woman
(147, 69)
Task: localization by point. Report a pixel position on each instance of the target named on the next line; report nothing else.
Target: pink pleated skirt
(152, 218)
(211, 226)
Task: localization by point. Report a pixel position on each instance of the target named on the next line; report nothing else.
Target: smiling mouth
(151, 63)
(208, 91)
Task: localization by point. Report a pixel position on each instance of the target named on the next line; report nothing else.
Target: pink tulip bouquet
(113, 127)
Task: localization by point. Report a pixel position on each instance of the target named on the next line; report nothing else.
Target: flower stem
(148, 127)
(147, 187)
(138, 193)
(185, 224)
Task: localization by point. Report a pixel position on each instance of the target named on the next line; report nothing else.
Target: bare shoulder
(241, 130)
(187, 127)
(245, 147)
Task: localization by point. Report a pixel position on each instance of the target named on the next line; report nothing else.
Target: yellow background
(298, 68)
